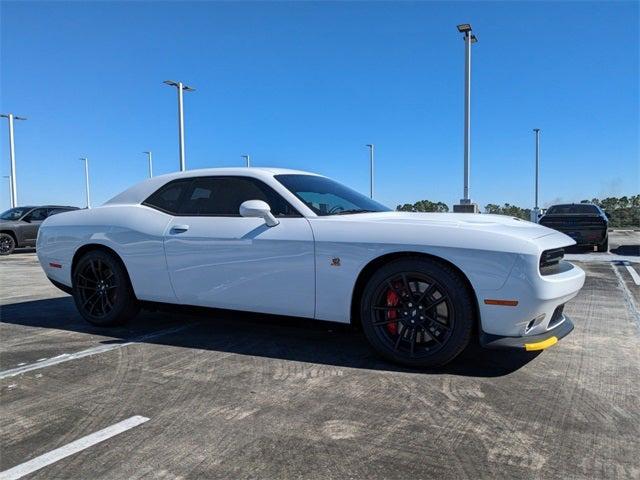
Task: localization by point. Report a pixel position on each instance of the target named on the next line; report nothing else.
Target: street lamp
(181, 87)
(12, 157)
(86, 179)
(8, 177)
(150, 158)
(247, 159)
(371, 148)
(536, 209)
(465, 203)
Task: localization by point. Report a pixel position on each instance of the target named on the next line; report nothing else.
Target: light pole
(8, 177)
(465, 203)
(536, 209)
(12, 157)
(86, 179)
(371, 148)
(150, 158)
(181, 87)
(247, 159)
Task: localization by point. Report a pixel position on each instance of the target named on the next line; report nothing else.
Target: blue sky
(307, 85)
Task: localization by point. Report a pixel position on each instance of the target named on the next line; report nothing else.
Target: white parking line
(627, 295)
(76, 446)
(86, 353)
(632, 272)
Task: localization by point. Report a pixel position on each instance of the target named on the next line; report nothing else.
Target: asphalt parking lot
(233, 395)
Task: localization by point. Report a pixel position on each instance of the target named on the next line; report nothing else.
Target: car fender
(133, 232)
(343, 252)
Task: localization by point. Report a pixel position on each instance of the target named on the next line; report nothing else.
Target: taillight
(550, 259)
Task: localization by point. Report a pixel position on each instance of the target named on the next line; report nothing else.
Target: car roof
(139, 192)
(46, 206)
(31, 207)
(572, 204)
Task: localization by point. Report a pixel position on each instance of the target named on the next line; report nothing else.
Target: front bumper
(529, 342)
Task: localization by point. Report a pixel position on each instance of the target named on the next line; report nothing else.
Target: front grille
(550, 261)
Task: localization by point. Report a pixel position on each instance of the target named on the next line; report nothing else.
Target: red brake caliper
(392, 301)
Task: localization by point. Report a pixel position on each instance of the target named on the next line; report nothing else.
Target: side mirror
(258, 209)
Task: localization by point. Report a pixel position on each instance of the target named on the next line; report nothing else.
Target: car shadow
(627, 250)
(579, 249)
(624, 250)
(25, 250)
(270, 336)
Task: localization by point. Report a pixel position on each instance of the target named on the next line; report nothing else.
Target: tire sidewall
(455, 287)
(124, 295)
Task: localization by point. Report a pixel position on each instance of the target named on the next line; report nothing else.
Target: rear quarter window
(167, 198)
(55, 211)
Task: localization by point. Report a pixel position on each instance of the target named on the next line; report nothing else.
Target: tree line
(623, 211)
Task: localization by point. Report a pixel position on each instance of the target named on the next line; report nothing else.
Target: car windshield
(14, 213)
(327, 197)
(573, 210)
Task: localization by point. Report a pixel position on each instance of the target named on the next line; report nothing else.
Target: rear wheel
(102, 291)
(7, 244)
(417, 312)
(604, 246)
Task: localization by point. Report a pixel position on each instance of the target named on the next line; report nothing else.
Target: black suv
(19, 226)
(586, 223)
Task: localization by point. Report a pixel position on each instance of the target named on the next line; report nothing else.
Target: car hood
(511, 226)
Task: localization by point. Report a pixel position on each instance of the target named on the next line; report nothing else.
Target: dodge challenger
(420, 285)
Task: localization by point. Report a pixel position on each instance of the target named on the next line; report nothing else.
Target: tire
(604, 246)
(102, 291)
(7, 244)
(428, 327)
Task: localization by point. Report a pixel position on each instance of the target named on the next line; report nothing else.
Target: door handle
(179, 228)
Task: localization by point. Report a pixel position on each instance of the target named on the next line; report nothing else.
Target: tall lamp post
(536, 208)
(8, 177)
(465, 203)
(247, 159)
(150, 159)
(12, 156)
(181, 88)
(371, 148)
(86, 180)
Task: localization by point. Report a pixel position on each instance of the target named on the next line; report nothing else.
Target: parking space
(233, 395)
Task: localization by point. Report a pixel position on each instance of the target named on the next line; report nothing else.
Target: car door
(30, 225)
(216, 258)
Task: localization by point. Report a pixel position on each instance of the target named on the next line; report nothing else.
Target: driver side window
(37, 215)
(222, 197)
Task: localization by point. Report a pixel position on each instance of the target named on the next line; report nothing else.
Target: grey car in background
(19, 226)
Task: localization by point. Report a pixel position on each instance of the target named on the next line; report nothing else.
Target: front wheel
(417, 312)
(7, 244)
(102, 291)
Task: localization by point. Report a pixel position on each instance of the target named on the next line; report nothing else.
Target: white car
(421, 285)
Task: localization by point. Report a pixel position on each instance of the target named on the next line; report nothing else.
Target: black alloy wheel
(7, 244)
(102, 291)
(417, 312)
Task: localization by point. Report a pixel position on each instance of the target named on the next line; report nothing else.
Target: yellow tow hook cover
(530, 347)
